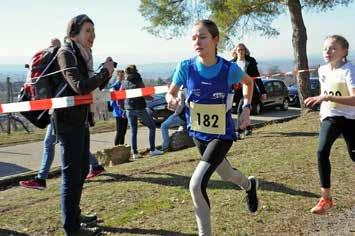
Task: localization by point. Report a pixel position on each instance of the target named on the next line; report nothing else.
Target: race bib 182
(208, 118)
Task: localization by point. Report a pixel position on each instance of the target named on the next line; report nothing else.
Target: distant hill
(148, 71)
(15, 72)
(287, 64)
(165, 70)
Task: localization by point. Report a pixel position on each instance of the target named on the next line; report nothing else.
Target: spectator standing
(118, 110)
(208, 79)
(55, 42)
(337, 111)
(72, 123)
(241, 56)
(49, 142)
(135, 108)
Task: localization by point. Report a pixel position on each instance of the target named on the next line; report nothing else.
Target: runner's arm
(248, 87)
(171, 96)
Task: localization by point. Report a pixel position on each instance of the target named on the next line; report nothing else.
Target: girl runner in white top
(337, 112)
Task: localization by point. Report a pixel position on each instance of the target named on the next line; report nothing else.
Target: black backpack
(42, 82)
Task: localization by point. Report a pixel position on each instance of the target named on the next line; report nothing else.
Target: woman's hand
(312, 101)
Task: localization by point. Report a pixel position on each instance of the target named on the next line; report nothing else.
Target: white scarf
(87, 55)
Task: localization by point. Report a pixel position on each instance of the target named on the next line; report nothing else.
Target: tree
(160, 82)
(171, 18)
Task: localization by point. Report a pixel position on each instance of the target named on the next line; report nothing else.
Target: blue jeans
(48, 153)
(75, 142)
(172, 121)
(147, 120)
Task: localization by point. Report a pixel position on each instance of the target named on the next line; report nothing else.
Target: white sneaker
(156, 152)
(136, 156)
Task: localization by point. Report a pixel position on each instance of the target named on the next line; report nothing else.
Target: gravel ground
(342, 224)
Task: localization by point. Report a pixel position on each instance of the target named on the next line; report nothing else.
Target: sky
(27, 26)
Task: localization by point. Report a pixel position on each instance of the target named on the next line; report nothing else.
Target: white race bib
(208, 118)
(336, 89)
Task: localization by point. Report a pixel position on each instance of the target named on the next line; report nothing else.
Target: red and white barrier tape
(71, 101)
(63, 102)
(286, 73)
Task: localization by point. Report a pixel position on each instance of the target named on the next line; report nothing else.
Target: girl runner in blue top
(208, 79)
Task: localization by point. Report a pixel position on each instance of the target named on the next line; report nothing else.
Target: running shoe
(322, 206)
(252, 198)
(35, 183)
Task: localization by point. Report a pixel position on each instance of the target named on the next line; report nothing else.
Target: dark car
(277, 96)
(293, 91)
(158, 108)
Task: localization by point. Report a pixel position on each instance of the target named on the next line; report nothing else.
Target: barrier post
(8, 100)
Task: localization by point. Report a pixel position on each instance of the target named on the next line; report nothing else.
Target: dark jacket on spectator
(79, 84)
(252, 70)
(133, 81)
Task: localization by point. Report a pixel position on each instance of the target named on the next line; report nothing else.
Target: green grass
(151, 196)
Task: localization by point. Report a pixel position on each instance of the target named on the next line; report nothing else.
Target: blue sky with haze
(27, 26)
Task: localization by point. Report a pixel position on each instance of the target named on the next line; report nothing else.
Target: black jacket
(251, 69)
(134, 81)
(251, 66)
(78, 83)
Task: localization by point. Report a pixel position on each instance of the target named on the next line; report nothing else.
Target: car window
(268, 87)
(277, 86)
(294, 85)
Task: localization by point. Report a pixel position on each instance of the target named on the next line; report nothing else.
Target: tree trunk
(299, 43)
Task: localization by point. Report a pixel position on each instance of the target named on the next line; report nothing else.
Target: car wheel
(256, 108)
(284, 105)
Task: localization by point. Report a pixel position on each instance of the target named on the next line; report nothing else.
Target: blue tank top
(206, 92)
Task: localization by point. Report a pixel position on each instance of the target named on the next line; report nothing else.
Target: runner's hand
(245, 118)
(312, 101)
(172, 101)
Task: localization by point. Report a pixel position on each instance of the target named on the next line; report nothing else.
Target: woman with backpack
(72, 124)
(135, 108)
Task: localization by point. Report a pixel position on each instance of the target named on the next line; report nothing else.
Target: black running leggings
(330, 130)
(213, 155)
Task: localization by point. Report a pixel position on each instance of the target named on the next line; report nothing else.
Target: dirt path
(341, 224)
